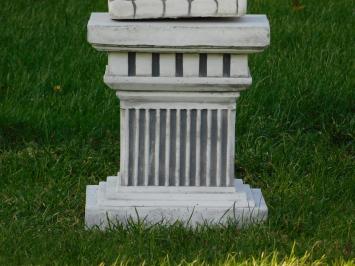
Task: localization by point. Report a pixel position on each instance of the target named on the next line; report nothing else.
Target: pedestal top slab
(250, 33)
(145, 9)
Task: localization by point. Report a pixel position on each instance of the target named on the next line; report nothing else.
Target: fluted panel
(178, 65)
(173, 147)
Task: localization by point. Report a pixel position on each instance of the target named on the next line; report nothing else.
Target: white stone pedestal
(177, 82)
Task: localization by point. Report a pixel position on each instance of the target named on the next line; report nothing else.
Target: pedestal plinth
(178, 82)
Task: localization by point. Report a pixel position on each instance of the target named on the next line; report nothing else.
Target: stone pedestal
(177, 82)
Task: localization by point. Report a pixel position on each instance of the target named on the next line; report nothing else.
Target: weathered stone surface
(247, 34)
(147, 9)
(168, 205)
(178, 82)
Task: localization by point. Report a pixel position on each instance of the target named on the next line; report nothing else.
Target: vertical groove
(164, 8)
(190, 7)
(203, 65)
(141, 147)
(224, 140)
(192, 133)
(131, 64)
(232, 140)
(219, 148)
(146, 148)
(121, 175)
(187, 157)
(208, 148)
(179, 68)
(167, 148)
(155, 65)
(151, 123)
(126, 150)
(136, 148)
(217, 6)
(157, 147)
(162, 149)
(177, 160)
(134, 8)
(198, 149)
(226, 65)
(203, 148)
(228, 171)
(122, 147)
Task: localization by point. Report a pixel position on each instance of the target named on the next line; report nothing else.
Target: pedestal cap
(250, 33)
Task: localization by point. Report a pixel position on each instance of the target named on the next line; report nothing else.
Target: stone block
(155, 9)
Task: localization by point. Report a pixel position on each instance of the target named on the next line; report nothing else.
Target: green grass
(295, 140)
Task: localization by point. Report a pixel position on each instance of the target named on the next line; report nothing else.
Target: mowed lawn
(59, 131)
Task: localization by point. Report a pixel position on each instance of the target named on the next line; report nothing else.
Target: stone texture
(178, 82)
(177, 139)
(248, 34)
(147, 9)
(104, 205)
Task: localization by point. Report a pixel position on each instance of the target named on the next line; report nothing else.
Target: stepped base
(191, 205)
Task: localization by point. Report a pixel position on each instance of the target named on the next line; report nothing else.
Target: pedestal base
(191, 205)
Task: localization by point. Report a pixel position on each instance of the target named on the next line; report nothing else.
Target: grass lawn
(59, 131)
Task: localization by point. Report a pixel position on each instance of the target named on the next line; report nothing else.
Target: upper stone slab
(250, 33)
(147, 9)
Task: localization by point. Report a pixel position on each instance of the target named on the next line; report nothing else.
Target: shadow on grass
(15, 134)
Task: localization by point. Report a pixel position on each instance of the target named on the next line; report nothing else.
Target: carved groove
(131, 64)
(226, 65)
(203, 65)
(164, 8)
(190, 7)
(179, 65)
(179, 69)
(216, 1)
